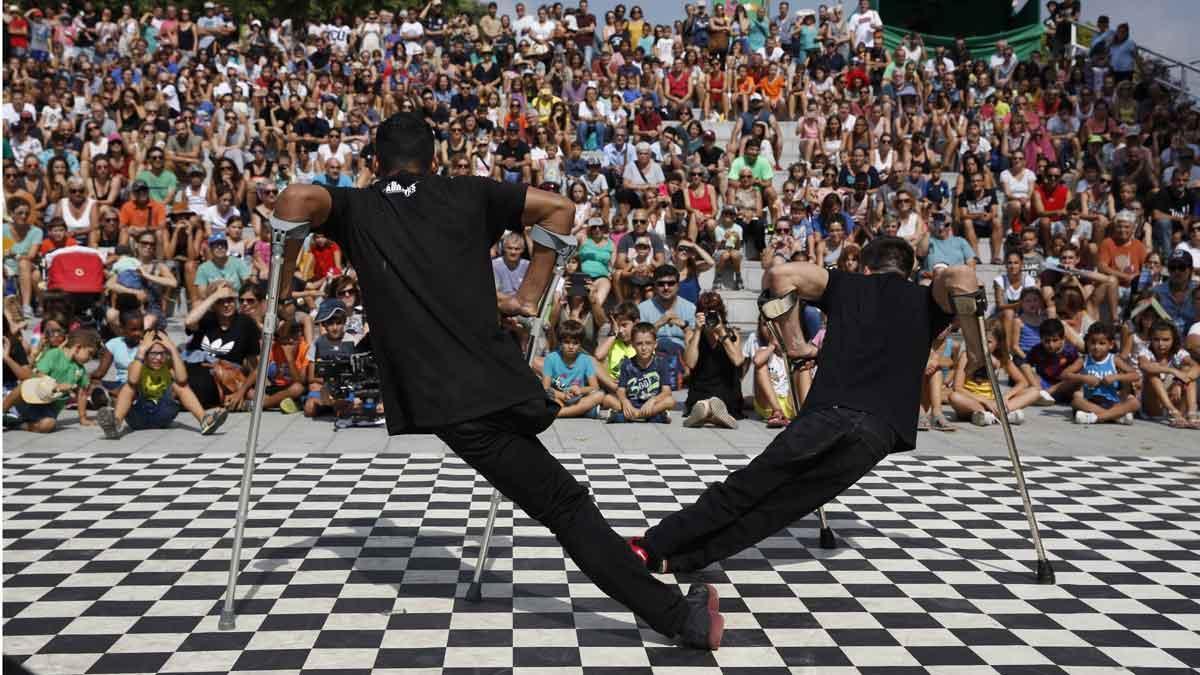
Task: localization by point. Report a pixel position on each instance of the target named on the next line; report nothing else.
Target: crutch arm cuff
(773, 308)
(972, 304)
(291, 229)
(562, 244)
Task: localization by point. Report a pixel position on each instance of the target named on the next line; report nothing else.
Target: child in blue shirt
(569, 376)
(644, 383)
(1106, 392)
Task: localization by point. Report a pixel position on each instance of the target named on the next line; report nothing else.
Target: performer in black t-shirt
(863, 403)
(420, 244)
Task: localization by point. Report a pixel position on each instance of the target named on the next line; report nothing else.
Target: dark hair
(131, 315)
(665, 271)
(83, 337)
(888, 254)
(626, 311)
(404, 141)
(1099, 328)
(1051, 328)
(570, 330)
(642, 327)
(710, 301)
(1164, 325)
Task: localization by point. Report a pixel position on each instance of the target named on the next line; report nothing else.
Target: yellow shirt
(155, 383)
(616, 354)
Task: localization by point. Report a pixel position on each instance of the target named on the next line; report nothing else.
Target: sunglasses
(639, 220)
(348, 292)
(666, 283)
(156, 353)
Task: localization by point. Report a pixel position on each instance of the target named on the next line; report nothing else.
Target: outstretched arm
(807, 281)
(557, 214)
(960, 280)
(300, 204)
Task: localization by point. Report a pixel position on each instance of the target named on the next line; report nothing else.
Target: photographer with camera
(330, 372)
(713, 355)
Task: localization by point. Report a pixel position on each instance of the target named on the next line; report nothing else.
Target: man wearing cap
(141, 214)
(447, 366)
(758, 113)
(1120, 256)
(332, 345)
(643, 172)
(513, 155)
(1175, 294)
(220, 267)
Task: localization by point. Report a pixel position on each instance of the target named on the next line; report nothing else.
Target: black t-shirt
(709, 156)
(17, 352)
(977, 204)
(420, 245)
(877, 340)
(234, 344)
(310, 126)
(1172, 204)
(518, 152)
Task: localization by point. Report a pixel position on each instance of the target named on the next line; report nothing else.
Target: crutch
(564, 247)
(281, 231)
(773, 310)
(976, 303)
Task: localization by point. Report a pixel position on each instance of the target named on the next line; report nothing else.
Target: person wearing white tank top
(78, 210)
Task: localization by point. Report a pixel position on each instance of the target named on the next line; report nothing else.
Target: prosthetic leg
(773, 311)
(564, 246)
(976, 304)
(281, 231)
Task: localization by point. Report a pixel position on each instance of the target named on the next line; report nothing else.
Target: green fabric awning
(1024, 40)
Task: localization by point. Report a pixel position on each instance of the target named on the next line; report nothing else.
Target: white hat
(39, 390)
(756, 96)
(642, 147)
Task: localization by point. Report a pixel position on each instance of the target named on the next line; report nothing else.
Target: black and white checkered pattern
(116, 563)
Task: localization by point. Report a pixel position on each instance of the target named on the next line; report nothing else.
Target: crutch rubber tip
(1045, 573)
(228, 621)
(475, 592)
(827, 539)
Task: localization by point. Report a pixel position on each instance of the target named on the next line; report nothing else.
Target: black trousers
(820, 454)
(503, 447)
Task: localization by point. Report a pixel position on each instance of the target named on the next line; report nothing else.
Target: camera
(353, 378)
(712, 318)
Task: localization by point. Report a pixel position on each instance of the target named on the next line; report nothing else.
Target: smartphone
(579, 287)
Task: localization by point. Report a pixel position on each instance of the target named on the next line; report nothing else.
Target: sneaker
(1084, 417)
(106, 417)
(1016, 417)
(615, 417)
(27, 311)
(11, 421)
(1045, 398)
(637, 545)
(1126, 419)
(737, 282)
(699, 414)
(717, 285)
(704, 626)
(983, 418)
(660, 418)
(213, 421)
(720, 414)
(288, 406)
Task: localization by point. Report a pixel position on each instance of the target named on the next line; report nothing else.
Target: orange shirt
(48, 245)
(747, 85)
(1126, 258)
(153, 215)
(772, 89)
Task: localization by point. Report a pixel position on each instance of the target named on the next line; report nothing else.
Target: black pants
(503, 447)
(820, 454)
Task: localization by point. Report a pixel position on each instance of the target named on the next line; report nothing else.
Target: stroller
(75, 275)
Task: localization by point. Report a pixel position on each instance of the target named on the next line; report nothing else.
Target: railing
(1168, 72)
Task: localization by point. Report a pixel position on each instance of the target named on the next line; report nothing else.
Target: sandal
(777, 421)
(923, 423)
(1179, 422)
(940, 423)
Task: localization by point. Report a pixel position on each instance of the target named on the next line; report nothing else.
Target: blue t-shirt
(1109, 392)
(563, 376)
(651, 312)
(123, 355)
(952, 251)
(643, 384)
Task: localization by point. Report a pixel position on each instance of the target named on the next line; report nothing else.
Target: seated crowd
(160, 142)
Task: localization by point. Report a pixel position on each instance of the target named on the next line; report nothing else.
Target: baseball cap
(1132, 130)
(218, 240)
(328, 309)
(710, 135)
(181, 208)
(138, 184)
(1179, 259)
(196, 169)
(596, 222)
(1095, 138)
(513, 126)
(756, 96)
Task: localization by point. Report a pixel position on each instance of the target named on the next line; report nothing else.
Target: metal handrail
(1166, 62)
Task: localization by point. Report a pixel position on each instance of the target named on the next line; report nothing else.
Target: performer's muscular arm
(808, 282)
(299, 203)
(557, 214)
(961, 280)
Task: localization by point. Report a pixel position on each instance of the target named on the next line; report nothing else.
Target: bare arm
(961, 280)
(557, 214)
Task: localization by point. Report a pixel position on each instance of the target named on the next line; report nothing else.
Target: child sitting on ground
(1022, 333)
(772, 388)
(972, 397)
(65, 365)
(332, 345)
(1169, 388)
(154, 389)
(286, 369)
(1044, 366)
(644, 383)
(569, 375)
(615, 348)
(1106, 395)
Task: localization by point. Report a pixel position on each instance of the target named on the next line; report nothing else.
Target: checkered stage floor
(115, 563)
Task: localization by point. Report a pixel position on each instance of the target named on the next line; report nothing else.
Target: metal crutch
(771, 311)
(978, 299)
(281, 231)
(564, 246)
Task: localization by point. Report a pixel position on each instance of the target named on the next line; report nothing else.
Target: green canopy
(981, 22)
